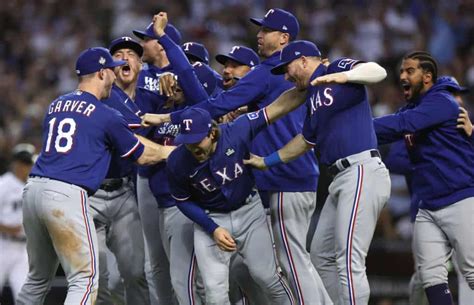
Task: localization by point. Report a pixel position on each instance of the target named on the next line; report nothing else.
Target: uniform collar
(274, 59)
(320, 70)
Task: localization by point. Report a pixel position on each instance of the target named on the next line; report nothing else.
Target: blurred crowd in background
(41, 40)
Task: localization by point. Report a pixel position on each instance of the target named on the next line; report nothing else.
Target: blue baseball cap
(196, 52)
(206, 77)
(279, 20)
(452, 83)
(125, 42)
(170, 30)
(94, 59)
(240, 54)
(295, 50)
(195, 125)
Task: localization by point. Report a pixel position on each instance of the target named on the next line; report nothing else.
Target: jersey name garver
(78, 106)
(206, 185)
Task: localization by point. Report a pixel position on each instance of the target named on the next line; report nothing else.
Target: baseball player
(215, 190)
(443, 174)
(288, 189)
(155, 63)
(114, 205)
(398, 161)
(78, 135)
(176, 229)
(14, 266)
(339, 124)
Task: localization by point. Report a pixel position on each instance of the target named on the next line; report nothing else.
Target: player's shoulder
(342, 64)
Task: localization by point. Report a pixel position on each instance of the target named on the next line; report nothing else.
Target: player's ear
(427, 78)
(101, 74)
(284, 38)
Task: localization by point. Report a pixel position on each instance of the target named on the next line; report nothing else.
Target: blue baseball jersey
(79, 133)
(154, 103)
(221, 183)
(442, 155)
(120, 101)
(339, 120)
(258, 89)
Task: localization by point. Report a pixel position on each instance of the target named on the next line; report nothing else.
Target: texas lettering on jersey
(316, 101)
(220, 177)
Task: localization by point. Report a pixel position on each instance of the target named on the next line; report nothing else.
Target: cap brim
(127, 45)
(256, 21)
(116, 63)
(190, 138)
(279, 69)
(193, 57)
(142, 34)
(221, 58)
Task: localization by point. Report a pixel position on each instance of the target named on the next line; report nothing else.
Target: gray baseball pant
(59, 229)
(119, 228)
(346, 227)
(248, 227)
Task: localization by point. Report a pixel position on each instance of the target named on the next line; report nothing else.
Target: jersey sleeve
(432, 111)
(122, 138)
(197, 214)
(248, 125)
(342, 64)
(248, 89)
(308, 131)
(180, 190)
(187, 78)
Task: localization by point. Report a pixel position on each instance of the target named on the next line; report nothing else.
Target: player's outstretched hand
(464, 122)
(151, 119)
(255, 161)
(224, 240)
(168, 84)
(159, 23)
(338, 78)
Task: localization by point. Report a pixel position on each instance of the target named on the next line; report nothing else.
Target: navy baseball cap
(196, 52)
(279, 20)
(94, 59)
(295, 50)
(240, 54)
(170, 30)
(452, 83)
(195, 125)
(206, 77)
(125, 42)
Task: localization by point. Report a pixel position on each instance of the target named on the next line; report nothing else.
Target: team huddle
(199, 187)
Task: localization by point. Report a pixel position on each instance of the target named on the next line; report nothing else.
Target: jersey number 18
(64, 135)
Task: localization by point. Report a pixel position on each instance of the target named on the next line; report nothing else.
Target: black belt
(113, 184)
(334, 170)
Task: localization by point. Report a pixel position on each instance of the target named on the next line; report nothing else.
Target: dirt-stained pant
(59, 229)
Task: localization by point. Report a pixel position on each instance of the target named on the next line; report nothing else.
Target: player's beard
(414, 91)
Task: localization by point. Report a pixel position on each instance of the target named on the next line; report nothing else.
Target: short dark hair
(427, 62)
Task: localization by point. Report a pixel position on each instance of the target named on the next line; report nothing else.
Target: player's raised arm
(285, 103)
(362, 73)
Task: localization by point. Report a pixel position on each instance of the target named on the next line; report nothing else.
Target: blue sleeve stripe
(131, 150)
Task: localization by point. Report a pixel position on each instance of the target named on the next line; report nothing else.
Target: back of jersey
(75, 141)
